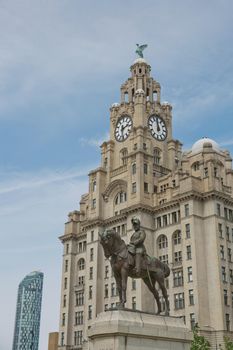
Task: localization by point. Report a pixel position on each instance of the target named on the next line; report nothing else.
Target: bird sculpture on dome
(140, 49)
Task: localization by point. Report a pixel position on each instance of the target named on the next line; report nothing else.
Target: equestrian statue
(132, 261)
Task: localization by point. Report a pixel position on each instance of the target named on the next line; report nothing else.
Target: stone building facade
(185, 204)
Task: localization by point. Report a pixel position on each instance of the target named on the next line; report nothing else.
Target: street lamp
(215, 334)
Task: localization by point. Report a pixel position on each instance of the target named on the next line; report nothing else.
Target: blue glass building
(28, 310)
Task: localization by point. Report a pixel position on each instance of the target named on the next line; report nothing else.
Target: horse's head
(107, 239)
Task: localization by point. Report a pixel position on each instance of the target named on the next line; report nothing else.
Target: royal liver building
(184, 202)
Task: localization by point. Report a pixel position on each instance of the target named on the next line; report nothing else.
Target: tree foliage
(199, 342)
(228, 343)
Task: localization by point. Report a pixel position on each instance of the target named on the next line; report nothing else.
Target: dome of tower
(205, 142)
(115, 104)
(140, 60)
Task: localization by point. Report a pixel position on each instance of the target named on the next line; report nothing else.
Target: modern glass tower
(28, 310)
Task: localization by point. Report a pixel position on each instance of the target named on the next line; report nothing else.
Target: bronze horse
(122, 262)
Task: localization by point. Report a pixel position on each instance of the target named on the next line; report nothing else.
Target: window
(89, 312)
(187, 230)
(165, 220)
(144, 146)
(106, 291)
(81, 280)
(65, 283)
(66, 265)
(231, 276)
(178, 256)
(220, 230)
(196, 166)
(179, 301)
(78, 337)
(124, 156)
(177, 238)
(133, 284)
(62, 338)
(226, 213)
(224, 277)
(192, 320)
(94, 186)
(164, 258)
(227, 233)
(229, 254)
(78, 318)
(134, 187)
(64, 301)
(113, 291)
(159, 222)
(186, 210)
(218, 207)
(123, 229)
(91, 254)
(205, 172)
(81, 264)
(191, 297)
(190, 274)
(92, 236)
(134, 168)
(228, 322)
(120, 198)
(145, 168)
(67, 248)
(133, 303)
(225, 297)
(174, 218)
(63, 319)
(106, 271)
(93, 203)
(178, 278)
(189, 252)
(90, 292)
(146, 187)
(157, 155)
(222, 252)
(91, 273)
(162, 242)
(79, 298)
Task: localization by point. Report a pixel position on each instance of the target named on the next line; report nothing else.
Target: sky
(61, 67)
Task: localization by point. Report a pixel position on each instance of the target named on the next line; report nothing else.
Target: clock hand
(158, 127)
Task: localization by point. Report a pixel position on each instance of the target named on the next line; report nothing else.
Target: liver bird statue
(139, 50)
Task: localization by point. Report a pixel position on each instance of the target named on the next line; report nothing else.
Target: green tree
(199, 342)
(228, 343)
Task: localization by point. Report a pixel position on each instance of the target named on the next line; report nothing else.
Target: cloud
(95, 142)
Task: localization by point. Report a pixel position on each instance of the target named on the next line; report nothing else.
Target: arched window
(195, 166)
(94, 185)
(81, 264)
(162, 242)
(177, 238)
(121, 197)
(157, 155)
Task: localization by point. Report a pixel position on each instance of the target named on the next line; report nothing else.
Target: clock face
(123, 128)
(157, 127)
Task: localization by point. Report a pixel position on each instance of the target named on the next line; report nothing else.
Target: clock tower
(185, 205)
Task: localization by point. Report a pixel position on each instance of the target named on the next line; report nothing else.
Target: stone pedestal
(135, 330)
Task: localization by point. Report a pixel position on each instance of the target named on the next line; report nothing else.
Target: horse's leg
(151, 286)
(124, 277)
(164, 292)
(118, 284)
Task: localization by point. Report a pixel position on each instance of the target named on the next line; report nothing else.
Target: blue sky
(61, 67)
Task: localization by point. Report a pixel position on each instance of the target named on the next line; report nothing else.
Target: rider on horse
(136, 246)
